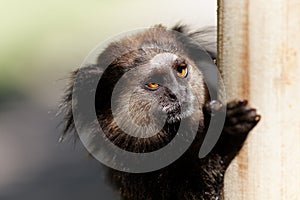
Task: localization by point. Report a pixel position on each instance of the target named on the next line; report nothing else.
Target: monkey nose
(172, 97)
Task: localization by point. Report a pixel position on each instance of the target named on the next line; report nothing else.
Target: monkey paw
(240, 118)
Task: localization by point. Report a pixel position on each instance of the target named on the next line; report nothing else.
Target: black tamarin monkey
(158, 52)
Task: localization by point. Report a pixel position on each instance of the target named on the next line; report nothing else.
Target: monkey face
(153, 93)
(166, 82)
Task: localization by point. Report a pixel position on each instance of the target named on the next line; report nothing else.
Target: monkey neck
(134, 144)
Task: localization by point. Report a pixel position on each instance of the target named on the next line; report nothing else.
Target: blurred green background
(41, 42)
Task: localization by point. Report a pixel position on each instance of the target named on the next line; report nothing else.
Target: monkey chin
(175, 115)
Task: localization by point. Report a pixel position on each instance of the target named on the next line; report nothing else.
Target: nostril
(172, 97)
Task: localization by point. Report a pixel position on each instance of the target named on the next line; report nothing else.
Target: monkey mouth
(175, 113)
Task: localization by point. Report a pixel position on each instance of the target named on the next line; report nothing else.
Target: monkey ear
(85, 74)
(206, 37)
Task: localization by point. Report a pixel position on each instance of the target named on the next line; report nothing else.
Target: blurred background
(41, 42)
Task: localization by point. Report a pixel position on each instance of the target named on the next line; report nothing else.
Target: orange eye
(182, 71)
(152, 85)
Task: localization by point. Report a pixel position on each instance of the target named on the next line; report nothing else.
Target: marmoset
(164, 80)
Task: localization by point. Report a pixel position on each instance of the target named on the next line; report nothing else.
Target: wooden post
(259, 55)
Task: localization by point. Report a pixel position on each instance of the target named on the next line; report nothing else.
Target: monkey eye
(152, 85)
(182, 70)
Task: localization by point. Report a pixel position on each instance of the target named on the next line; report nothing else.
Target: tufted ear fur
(206, 37)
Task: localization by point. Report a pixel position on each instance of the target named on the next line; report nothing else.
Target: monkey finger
(242, 110)
(250, 116)
(237, 103)
(240, 128)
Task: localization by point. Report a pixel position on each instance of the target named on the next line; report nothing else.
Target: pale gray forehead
(163, 59)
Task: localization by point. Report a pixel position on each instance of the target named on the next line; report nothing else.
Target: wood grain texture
(259, 55)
